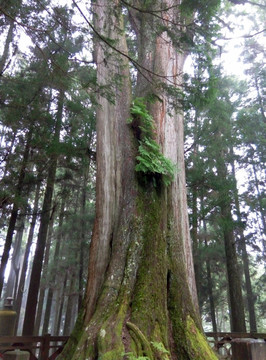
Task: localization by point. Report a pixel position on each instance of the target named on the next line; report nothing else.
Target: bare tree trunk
(30, 313)
(9, 149)
(21, 286)
(15, 210)
(12, 283)
(44, 289)
(243, 249)
(70, 304)
(194, 237)
(83, 234)
(237, 314)
(141, 291)
(262, 210)
(54, 272)
(8, 42)
(250, 294)
(209, 281)
(60, 312)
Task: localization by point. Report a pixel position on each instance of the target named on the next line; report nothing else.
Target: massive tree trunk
(141, 295)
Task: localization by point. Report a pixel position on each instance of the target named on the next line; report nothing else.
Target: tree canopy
(100, 117)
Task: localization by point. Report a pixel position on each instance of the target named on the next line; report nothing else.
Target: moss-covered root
(141, 341)
(198, 347)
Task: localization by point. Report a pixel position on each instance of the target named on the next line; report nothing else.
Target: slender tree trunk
(250, 295)
(28, 327)
(209, 282)
(70, 305)
(21, 286)
(53, 274)
(194, 231)
(233, 273)
(45, 288)
(7, 167)
(237, 314)
(194, 237)
(141, 289)
(60, 312)
(83, 234)
(12, 283)
(8, 42)
(262, 211)
(211, 297)
(15, 210)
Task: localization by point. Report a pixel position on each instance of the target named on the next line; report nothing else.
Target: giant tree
(141, 298)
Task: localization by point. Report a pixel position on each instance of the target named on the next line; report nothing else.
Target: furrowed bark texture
(141, 295)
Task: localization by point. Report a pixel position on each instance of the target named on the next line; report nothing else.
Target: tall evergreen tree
(141, 296)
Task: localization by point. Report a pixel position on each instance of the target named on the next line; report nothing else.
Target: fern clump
(150, 159)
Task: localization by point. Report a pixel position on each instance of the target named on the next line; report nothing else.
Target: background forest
(48, 95)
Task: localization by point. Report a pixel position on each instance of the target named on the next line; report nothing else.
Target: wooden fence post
(45, 347)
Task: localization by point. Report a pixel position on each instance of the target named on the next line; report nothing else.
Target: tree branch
(247, 36)
(134, 62)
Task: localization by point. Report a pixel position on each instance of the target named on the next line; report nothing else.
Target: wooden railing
(45, 347)
(48, 347)
(222, 339)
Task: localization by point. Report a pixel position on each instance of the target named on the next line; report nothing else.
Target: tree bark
(243, 249)
(83, 231)
(141, 295)
(261, 208)
(236, 303)
(12, 283)
(53, 274)
(21, 285)
(8, 42)
(194, 231)
(15, 210)
(30, 313)
(60, 301)
(210, 282)
(70, 304)
(45, 288)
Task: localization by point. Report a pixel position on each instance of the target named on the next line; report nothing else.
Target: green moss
(154, 298)
(149, 306)
(199, 347)
(145, 345)
(74, 339)
(114, 354)
(109, 340)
